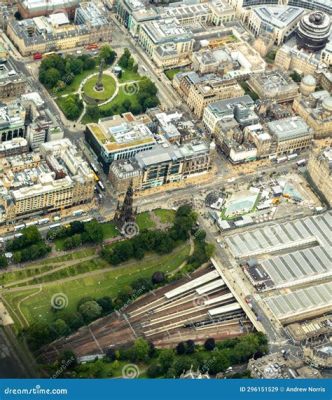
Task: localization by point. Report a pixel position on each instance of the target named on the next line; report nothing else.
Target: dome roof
(309, 80)
(327, 103)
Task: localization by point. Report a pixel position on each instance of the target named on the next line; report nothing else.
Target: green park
(83, 270)
(72, 82)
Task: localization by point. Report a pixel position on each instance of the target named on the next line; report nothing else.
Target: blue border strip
(163, 389)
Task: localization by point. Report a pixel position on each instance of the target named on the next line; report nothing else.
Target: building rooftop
(8, 74)
(288, 128)
(225, 107)
(301, 301)
(299, 267)
(278, 16)
(119, 133)
(36, 5)
(166, 30)
(289, 235)
(55, 27)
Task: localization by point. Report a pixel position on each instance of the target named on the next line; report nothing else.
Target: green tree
(183, 364)
(3, 262)
(158, 277)
(123, 61)
(181, 348)
(76, 66)
(93, 112)
(74, 320)
(83, 300)
(218, 363)
(94, 231)
(52, 77)
(136, 109)
(72, 107)
(296, 77)
(76, 227)
(141, 350)
(166, 358)
(17, 257)
(150, 102)
(38, 335)
(154, 370)
(68, 358)
(107, 54)
(106, 304)
(141, 284)
(89, 63)
(60, 327)
(190, 346)
(209, 344)
(90, 310)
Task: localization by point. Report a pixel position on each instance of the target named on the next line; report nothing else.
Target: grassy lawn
(128, 76)
(21, 274)
(73, 270)
(170, 73)
(109, 230)
(144, 221)
(76, 255)
(43, 266)
(73, 87)
(102, 283)
(86, 119)
(61, 101)
(109, 88)
(113, 369)
(59, 244)
(165, 216)
(119, 99)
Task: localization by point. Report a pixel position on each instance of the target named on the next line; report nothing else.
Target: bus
(281, 160)
(32, 223)
(54, 226)
(49, 54)
(301, 163)
(292, 156)
(43, 221)
(37, 56)
(19, 227)
(100, 184)
(77, 213)
(92, 46)
(94, 168)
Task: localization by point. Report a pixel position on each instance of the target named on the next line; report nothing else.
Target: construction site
(196, 307)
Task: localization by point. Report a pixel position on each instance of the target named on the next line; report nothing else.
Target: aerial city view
(166, 189)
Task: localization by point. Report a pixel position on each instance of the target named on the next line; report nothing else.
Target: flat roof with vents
(192, 284)
(301, 301)
(289, 235)
(224, 309)
(299, 266)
